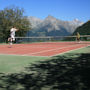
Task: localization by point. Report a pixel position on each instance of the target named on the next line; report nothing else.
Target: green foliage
(13, 16)
(84, 29)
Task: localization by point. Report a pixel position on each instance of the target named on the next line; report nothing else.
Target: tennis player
(78, 37)
(11, 39)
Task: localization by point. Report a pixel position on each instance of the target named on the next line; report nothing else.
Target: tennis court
(42, 48)
(30, 65)
(18, 72)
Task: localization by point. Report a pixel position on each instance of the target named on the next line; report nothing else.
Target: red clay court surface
(41, 49)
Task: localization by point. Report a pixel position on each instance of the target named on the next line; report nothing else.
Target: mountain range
(52, 26)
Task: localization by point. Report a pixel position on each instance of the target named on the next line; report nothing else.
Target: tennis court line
(70, 50)
(51, 50)
(32, 54)
(21, 55)
(67, 51)
(44, 56)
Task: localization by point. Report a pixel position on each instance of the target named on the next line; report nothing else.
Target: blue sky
(62, 9)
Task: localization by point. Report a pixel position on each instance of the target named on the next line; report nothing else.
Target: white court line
(24, 48)
(44, 56)
(27, 46)
(70, 50)
(65, 52)
(21, 55)
(51, 49)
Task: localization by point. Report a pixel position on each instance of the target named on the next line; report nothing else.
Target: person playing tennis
(78, 37)
(11, 39)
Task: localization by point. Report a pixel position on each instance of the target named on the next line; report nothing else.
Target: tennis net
(49, 39)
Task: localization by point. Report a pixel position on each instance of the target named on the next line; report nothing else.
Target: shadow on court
(67, 72)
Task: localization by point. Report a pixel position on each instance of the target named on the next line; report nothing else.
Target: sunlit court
(42, 48)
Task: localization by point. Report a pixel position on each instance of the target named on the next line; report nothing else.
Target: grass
(13, 64)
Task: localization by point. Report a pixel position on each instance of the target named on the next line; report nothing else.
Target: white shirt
(12, 32)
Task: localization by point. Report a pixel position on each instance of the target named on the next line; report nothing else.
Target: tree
(84, 29)
(13, 16)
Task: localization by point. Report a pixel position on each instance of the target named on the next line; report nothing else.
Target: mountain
(84, 29)
(34, 21)
(76, 22)
(52, 26)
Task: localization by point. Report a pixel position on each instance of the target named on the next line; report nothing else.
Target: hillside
(84, 29)
(52, 26)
